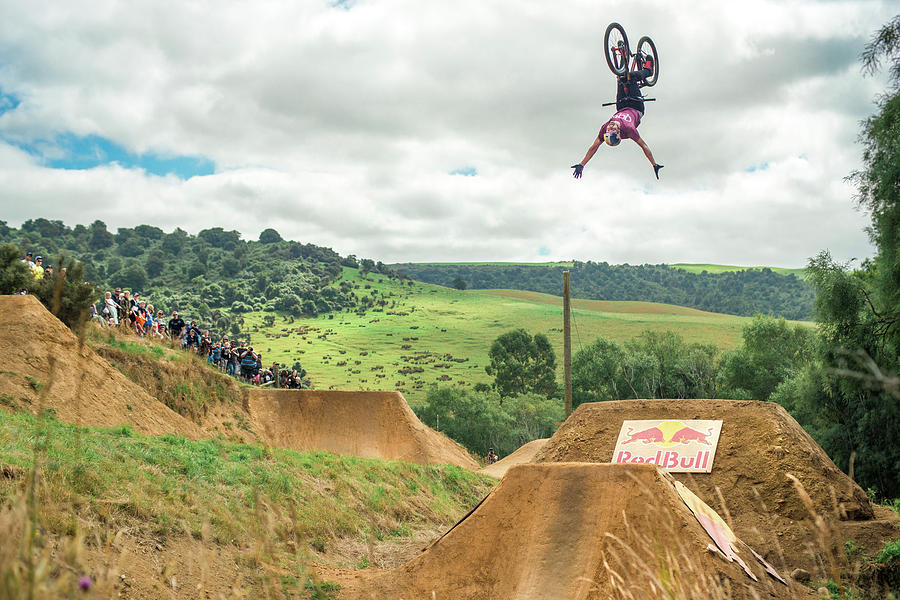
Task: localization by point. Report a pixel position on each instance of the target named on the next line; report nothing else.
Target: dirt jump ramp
(759, 446)
(366, 424)
(571, 531)
(47, 369)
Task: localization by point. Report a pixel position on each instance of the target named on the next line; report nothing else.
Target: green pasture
(561, 263)
(427, 335)
(699, 268)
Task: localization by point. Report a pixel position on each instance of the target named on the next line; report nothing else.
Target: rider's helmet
(612, 138)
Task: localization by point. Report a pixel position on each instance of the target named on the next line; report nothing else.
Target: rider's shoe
(648, 63)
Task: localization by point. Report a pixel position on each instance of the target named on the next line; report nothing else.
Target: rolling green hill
(425, 334)
(699, 268)
(729, 290)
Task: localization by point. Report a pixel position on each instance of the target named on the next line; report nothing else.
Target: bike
(620, 59)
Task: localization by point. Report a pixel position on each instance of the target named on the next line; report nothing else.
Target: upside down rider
(624, 124)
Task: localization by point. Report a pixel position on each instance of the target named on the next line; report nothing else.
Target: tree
(459, 283)
(155, 264)
(100, 236)
(219, 238)
(521, 364)
(175, 241)
(477, 421)
(773, 351)
(269, 236)
(132, 277)
(14, 274)
(859, 311)
(597, 373)
(65, 293)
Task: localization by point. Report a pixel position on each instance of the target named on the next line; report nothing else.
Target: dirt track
(544, 532)
(367, 424)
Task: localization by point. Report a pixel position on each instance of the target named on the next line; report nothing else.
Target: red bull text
(674, 445)
(670, 461)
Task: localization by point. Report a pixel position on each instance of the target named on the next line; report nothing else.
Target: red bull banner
(687, 446)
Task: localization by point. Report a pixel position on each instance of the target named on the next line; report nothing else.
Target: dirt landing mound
(545, 532)
(524, 454)
(84, 388)
(759, 445)
(367, 424)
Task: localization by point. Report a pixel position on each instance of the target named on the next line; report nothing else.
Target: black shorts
(628, 92)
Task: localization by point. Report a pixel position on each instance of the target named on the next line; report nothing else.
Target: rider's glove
(656, 169)
(578, 169)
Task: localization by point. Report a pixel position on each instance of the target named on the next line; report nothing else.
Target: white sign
(687, 446)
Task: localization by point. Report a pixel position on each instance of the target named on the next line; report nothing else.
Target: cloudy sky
(411, 130)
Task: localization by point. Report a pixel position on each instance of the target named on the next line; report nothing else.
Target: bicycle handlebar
(644, 99)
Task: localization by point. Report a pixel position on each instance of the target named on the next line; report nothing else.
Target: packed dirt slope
(545, 532)
(760, 444)
(87, 390)
(44, 367)
(367, 424)
(524, 454)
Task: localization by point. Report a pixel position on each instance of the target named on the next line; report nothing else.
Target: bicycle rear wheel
(646, 48)
(615, 46)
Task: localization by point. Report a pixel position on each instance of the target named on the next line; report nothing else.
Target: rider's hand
(656, 169)
(578, 169)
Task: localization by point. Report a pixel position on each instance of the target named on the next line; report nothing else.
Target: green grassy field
(427, 335)
(561, 263)
(699, 268)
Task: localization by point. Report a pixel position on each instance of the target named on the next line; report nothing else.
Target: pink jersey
(628, 120)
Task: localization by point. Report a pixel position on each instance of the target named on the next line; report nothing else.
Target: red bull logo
(680, 446)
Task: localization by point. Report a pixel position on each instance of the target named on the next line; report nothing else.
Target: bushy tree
(652, 365)
(773, 351)
(521, 363)
(597, 372)
(269, 236)
(132, 277)
(100, 236)
(843, 398)
(14, 274)
(65, 293)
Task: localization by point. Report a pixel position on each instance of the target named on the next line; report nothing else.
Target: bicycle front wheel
(615, 44)
(647, 49)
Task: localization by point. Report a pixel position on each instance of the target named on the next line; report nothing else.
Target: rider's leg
(629, 96)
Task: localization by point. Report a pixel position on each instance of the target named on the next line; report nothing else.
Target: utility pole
(567, 346)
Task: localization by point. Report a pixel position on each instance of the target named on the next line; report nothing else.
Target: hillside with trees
(215, 275)
(742, 293)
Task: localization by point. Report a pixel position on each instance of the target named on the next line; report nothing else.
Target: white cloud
(341, 127)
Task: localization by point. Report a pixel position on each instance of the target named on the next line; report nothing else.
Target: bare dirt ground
(368, 424)
(44, 364)
(565, 531)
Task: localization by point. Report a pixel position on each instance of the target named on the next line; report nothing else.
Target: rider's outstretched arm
(590, 154)
(649, 155)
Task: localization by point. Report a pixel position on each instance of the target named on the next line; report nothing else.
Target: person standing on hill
(176, 324)
(38, 268)
(112, 308)
(28, 262)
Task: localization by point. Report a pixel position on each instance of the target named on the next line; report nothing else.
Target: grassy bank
(92, 481)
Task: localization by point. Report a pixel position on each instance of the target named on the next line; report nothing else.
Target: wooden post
(567, 346)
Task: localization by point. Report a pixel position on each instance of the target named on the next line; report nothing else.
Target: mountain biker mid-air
(624, 124)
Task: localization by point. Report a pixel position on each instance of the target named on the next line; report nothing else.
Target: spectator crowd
(127, 311)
